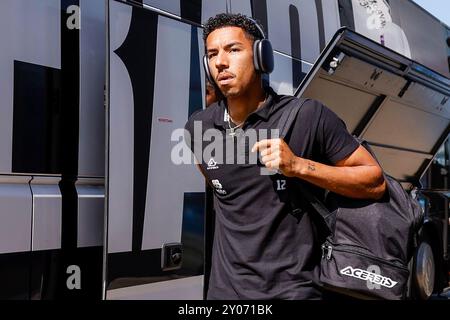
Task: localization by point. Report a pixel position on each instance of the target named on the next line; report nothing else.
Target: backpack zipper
(328, 248)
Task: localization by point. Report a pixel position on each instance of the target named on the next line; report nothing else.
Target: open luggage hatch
(399, 106)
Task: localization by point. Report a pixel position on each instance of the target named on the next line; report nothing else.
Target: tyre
(424, 271)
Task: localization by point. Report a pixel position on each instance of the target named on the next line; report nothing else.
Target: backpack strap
(317, 206)
(289, 115)
(292, 109)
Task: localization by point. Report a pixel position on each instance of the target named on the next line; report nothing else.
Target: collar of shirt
(263, 112)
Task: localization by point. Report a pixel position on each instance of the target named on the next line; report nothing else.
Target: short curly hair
(232, 20)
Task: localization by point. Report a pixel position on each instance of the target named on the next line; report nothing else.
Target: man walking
(260, 251)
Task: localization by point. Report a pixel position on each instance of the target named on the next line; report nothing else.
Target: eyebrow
(227, 46)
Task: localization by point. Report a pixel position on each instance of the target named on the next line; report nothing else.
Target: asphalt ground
(445, 295)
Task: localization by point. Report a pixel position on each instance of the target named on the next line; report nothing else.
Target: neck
(241, 106)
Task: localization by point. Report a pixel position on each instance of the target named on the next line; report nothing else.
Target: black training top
(260, 250)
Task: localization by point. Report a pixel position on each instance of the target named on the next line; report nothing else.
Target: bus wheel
(424, 270)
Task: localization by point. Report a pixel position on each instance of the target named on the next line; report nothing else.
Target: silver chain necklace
(228, 117)
(232, 129)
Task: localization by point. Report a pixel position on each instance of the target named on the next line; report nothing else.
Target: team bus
(91, 92)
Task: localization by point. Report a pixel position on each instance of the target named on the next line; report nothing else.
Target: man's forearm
(360, 182)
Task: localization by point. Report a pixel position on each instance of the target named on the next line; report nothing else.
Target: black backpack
(368, 243)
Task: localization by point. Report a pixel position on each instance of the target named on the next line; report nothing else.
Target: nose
(221, 61)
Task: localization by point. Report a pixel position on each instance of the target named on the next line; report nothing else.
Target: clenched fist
(276, 155)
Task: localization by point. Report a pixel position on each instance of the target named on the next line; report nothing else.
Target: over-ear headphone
(262, 55)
